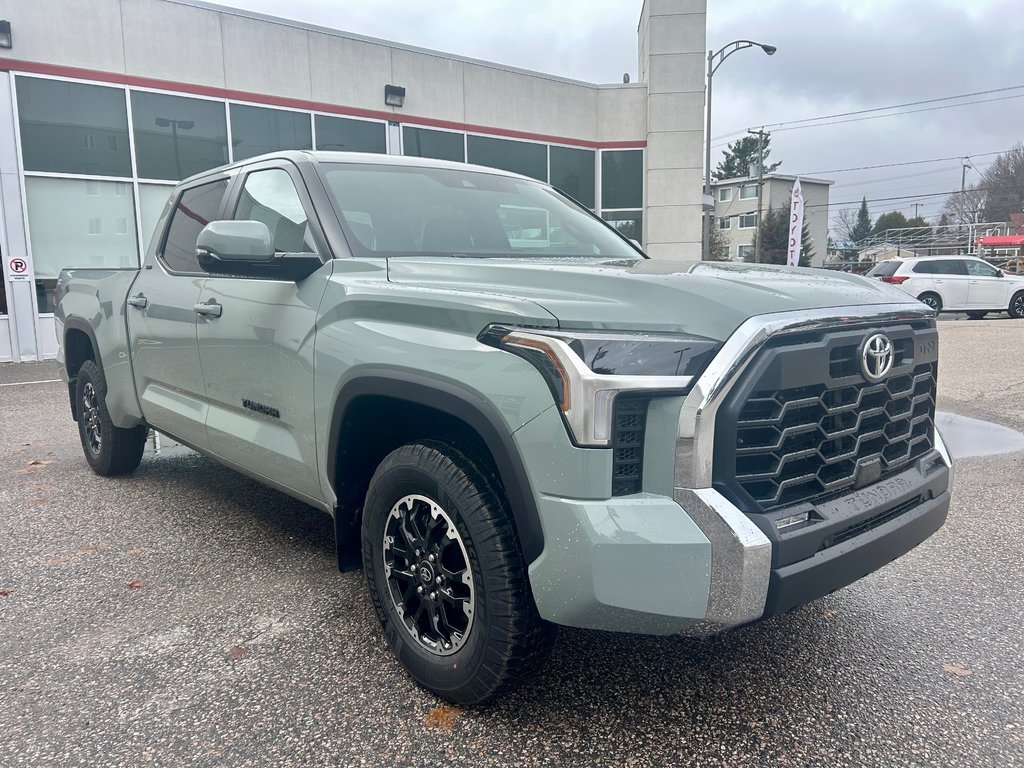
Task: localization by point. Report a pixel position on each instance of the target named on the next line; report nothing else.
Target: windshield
(389, 210)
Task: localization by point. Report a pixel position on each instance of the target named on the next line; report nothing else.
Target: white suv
(955, 284)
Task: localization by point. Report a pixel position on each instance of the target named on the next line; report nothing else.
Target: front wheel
(1017, 305)
(446, 574)
(109, 450)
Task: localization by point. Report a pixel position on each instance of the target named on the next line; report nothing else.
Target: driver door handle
(212, 309)
(139, 301)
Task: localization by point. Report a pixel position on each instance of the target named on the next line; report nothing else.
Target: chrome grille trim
(696, 430)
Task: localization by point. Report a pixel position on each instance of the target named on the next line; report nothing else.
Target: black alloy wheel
(428, 574)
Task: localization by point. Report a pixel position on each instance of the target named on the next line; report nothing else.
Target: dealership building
(105, 105)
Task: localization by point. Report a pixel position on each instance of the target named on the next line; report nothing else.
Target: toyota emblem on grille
(876, 357)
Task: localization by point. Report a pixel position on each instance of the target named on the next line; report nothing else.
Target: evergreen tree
(890, 220)
(862, 228)
(774, 236)
(739, 156)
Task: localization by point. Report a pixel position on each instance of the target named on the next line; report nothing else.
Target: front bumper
(653, 565)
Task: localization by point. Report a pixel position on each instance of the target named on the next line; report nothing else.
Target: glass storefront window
(152, 200)
(257, 130)
(622, 178)
(342, 134)
(440, 145)
(628, 223)
(78, 223)
(516, 156)
(73, 127)
(572, 172)
(176, 136)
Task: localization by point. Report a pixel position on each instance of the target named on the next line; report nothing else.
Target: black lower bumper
(829, 569)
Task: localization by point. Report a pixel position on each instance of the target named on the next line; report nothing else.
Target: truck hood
(704, 298)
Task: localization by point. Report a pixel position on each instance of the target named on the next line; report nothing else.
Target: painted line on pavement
(23, 383)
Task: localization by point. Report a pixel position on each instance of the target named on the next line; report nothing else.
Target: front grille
(810, 427)
(628, 445)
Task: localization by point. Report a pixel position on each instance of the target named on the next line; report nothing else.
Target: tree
(774, 236)
(719, 243)
(890, 220)
(967, 207)
(862, 228)
(1003, 182)
(924, 228)
(740, 154)
(845, 224)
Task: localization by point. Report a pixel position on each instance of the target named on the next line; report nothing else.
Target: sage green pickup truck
(515, 418)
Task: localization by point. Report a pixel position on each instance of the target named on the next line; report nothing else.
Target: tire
(478, 636)
(109, 450)
(976, 315)
(1016, 308)
(932, 300)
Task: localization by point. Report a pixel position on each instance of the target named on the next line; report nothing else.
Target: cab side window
(196, 208)
(270, 196)
(981, 269)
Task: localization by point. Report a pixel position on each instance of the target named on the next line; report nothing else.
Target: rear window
(939, 267)
(885, 268)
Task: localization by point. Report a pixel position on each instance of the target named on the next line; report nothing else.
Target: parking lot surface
(188, 615)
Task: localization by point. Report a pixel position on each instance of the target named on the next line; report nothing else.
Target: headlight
(586, 370)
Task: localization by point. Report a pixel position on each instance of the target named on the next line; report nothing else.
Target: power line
(908, 162)
(899, 197)
(782, 126)
(883, 109)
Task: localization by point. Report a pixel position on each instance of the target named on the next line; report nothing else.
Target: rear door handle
(213, 309)
(139, 301)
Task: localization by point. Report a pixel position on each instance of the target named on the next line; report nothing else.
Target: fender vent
(630, 419)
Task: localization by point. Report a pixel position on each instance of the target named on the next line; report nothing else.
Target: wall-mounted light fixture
(394, 95)
(6, 40)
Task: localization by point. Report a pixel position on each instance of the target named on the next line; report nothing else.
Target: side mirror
(247, 241)
(246, 249)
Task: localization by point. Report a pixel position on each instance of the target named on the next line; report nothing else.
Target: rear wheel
(1017, 305)
(932, 300)
(446, 574)
(109, 450)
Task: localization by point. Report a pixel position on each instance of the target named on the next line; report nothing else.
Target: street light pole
(715, 59)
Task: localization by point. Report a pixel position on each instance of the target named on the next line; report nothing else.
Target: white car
(955, 284)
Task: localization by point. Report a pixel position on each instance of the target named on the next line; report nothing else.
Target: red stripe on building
(78, 73)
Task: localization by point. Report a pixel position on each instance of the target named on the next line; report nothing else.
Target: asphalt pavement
(186, 615)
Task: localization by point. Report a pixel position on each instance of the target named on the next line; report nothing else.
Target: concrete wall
(672, 59)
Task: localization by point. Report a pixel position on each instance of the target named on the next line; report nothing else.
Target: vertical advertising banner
(796, 225)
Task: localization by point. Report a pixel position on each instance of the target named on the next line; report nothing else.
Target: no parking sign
(17, 269)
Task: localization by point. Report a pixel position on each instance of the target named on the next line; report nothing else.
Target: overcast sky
(834, 56)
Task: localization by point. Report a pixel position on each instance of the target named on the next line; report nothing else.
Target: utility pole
(760, 186)
(916, 206)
